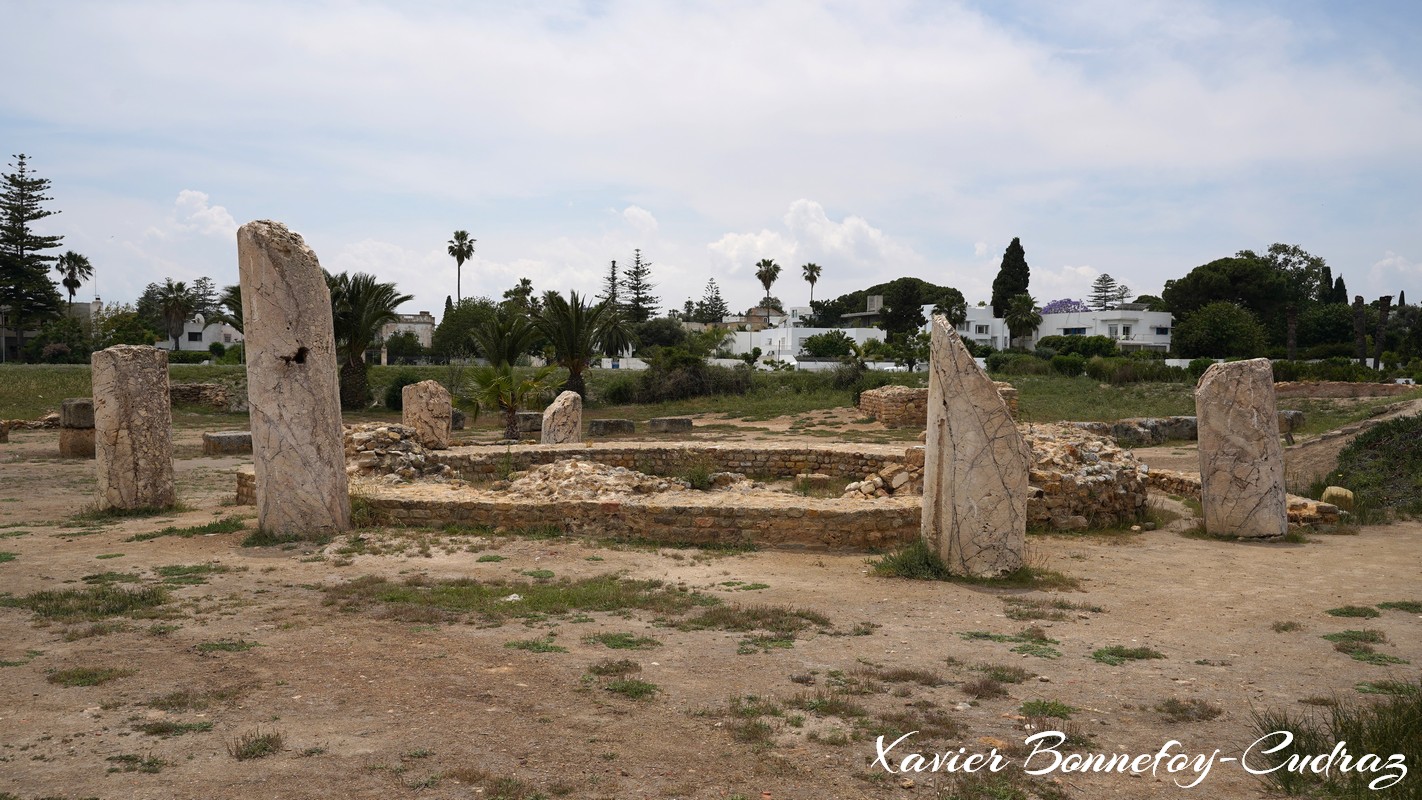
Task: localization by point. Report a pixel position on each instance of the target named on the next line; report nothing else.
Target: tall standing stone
(292, 384)
(1241, 462)
(133, 428)
(975, 466)
(427, 409)
(563, 419)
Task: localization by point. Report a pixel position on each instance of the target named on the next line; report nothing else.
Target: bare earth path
(374, 706)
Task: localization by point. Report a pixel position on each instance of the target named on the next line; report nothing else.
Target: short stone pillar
(226, 443)
(133, 428)
(530, 421)
(428, 410)
(76, 428)
(611, 427)
(292, 385)
(563, 419)
(669, 424)
(1241, 462)
(975, 466)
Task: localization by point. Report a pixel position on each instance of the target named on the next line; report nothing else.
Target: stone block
(133, 428)
(1241, 462)
(562, 421)
(76, 412)
(226, 443)
(76, 442)
(530, 421)
(812, 481)
(669, 424)
(427, 410)
(611, 427)
(1338, 496)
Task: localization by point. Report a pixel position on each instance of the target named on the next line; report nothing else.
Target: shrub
(393, 394)
(1198, 366)
(1084, 346)
(217, 349)
(1381, 466)
(1070, 366)
(620, 390)
(188, 356)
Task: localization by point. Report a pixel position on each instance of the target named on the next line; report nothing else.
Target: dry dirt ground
(376, 704)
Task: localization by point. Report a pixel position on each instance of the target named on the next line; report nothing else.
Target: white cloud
(1065, 281)
(980, 249)
(192, 212)
(641, 220)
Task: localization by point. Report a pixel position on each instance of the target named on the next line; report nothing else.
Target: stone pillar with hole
(133, 428)
(975, 466)
(292, 384)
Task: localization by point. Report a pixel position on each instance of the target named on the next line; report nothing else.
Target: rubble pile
(390, 452)
(573, 479)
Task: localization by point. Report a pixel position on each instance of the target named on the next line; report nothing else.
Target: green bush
(1331, 369)
(1198, 366)
(188, 356)
(1021, 364)
(1381, 468)
(1084, 346)
(620, 390)
(1120, 371)
(394, 397)
(218, 350)
(1070, 366)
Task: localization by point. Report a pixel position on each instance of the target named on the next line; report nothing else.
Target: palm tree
(767, 271)
(578, 332)
(506, 336)
(1021, 316)
(176, 304)
(360, 307)
(461, 248)
(75, 269)
(230, 307)
(812, 276)
(500, 387)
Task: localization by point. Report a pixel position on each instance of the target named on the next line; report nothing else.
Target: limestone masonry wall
(907, 407)
(483, 463)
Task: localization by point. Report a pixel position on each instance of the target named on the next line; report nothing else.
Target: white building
(1132, 325)
(198, 334)
(981, 327)
(421, 324)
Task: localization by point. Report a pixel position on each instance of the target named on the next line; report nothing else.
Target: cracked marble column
(975, 466)
(426, 407)
(133, 428)
(292, 384)
(563, 420)
(1241, 461)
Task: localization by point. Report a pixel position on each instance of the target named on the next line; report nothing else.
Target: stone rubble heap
(1077, 478)
(572, 479)
(389, 452)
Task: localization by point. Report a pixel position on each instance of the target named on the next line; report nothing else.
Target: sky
(876, 139)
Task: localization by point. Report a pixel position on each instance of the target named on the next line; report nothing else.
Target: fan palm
(500, 387)
(812, 276)
(767, 271)
(461, 248)
(176, 305)
(508, 334)
(360, 307)
(1021, 316)
(75, 269)
(578, 332)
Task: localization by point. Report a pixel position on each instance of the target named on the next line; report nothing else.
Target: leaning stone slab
(530, 421)
(562, 421)
(76, 443)
(669, 424)
(975, 466)
(610, 427)
(292, 387)
(1241, 462)
(76, 412)
(226, 443)
(133, 428)
(428, 410)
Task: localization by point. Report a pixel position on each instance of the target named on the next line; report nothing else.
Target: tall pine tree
(638, 302)
(611, 287)
(712, 307)
(25, 285)
(1012, 278)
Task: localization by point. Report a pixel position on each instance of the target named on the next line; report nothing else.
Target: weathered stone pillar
(975, 466)
(1241, 462)
(563, 419)
(133, 428)
(76, 428)
(292, 384)
(427, 409)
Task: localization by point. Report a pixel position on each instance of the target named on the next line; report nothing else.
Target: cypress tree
(1340, 291)
(1012, 277)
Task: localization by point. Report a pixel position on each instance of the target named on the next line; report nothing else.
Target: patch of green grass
(255, 744)
(1026, 608)
(1410, 606)
(538, 574)
(1117, 655)
(134, 763)
(1363, 612)
(623, 641)
(1286, 627)
(917, 562)
(30, 655)
(1047, 708)
(543, 645)
(226, 646)
(632, 688)
(6, 555)
(87, 676)
(98, 516)
(1008, 785)
(421, 600)
(112, 577)
(1030, 641)
(1364, 652)
(224, 525)
(166, 728)
(1367, 636)
(1381, 467)
(1191, 709)
(826, 703)
(1387, 687)
(489, 558)
(189, 574)
(1003, 673)
(781, 621)
(94, 602)
(268, 539)
(1385, 725)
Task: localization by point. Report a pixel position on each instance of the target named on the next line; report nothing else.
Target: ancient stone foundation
(300, 476)
(226, 443)
(427, 409)
(669, 424)
(76, 428)
(907, 407)
(133, 424)
(611, 427)
(530, 421)
(975, 466)
(562, 421)
(1241, 461)
(212, 395)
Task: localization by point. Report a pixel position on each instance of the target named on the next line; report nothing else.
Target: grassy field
(30, 391)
